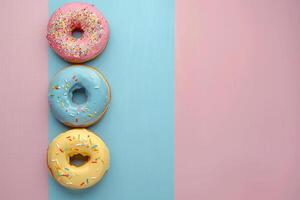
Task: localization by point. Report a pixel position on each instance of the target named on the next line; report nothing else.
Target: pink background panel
(237, 100)
(23, 108)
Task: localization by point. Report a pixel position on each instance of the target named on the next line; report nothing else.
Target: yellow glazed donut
(78, 142)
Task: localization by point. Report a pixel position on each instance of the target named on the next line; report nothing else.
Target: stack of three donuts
(78, 95)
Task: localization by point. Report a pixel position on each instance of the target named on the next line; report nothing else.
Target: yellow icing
(70, 143)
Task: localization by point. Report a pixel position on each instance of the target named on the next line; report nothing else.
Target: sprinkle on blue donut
(78, 96)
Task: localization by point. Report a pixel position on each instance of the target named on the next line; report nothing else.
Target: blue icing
(68, 82)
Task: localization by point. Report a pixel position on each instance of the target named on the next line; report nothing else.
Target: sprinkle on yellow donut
(78, 142)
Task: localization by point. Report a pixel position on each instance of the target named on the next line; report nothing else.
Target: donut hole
(78, 160)
(77, 33)
(79, 95)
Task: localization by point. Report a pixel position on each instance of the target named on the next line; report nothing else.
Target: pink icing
(77, 16)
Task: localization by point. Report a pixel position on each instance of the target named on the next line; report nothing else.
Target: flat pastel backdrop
(139, 126)
(219, 78)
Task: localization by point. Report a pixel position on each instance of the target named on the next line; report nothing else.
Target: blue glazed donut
(74, 83)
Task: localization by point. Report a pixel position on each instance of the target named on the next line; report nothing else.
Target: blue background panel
(139, 125)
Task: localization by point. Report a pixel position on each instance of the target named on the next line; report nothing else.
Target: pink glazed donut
(81, 17)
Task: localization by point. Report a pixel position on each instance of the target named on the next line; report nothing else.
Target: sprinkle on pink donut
(77, 16)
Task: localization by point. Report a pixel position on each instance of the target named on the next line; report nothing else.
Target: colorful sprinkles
(79, 142)
(63, 23)
(78, 114)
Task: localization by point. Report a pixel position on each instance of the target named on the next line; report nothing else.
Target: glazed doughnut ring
(79, 80)
(73, 143)
(81, 17)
